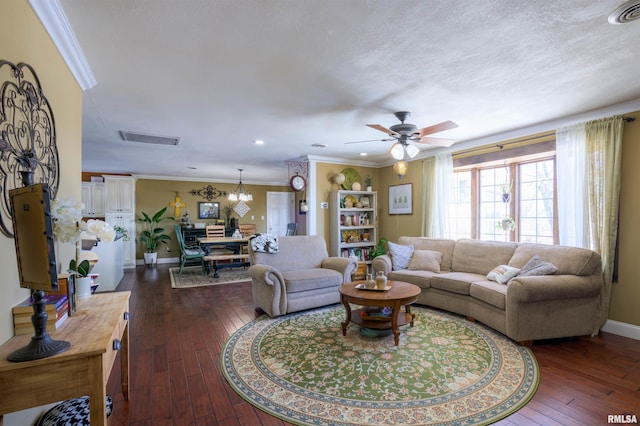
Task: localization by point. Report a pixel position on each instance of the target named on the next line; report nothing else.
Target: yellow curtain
(604, 150)
(428, 201)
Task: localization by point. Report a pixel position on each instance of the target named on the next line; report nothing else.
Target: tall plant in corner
(153, 234)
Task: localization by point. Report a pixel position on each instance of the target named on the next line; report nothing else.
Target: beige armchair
(300, 276)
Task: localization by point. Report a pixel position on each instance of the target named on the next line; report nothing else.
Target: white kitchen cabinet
(126, 221)
(120, 194)
(93, 194)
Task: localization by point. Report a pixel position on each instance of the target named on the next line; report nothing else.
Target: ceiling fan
(404, 133)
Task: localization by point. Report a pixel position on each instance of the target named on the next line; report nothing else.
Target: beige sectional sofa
(526, 308)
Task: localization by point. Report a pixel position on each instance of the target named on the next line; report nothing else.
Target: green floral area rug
(446, 371)
(192, 276)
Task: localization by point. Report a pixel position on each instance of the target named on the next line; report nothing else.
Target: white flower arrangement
(68, 224)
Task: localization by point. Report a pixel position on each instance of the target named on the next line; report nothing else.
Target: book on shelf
(52, 324)
(52, 303)
(25, 317)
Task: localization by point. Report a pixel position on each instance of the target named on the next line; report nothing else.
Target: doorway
(280, 212)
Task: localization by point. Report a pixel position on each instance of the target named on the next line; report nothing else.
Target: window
(459, 211)
(480, 210)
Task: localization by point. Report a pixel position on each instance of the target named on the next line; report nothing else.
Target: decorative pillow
(503, 273)
(538, 266)
(425, 260)
(400, 255)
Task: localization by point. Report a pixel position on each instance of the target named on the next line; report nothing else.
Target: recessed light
(319, 145)
(364, 154)
(192, 168)
(258, 142)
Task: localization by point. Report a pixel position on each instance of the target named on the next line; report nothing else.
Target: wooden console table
(98, 330)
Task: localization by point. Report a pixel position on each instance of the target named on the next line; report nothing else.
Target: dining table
(234, 245)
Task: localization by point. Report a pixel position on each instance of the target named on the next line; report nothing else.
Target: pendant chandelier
(240, 193)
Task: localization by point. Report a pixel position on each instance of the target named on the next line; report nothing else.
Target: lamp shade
(400, 168)
(397, 151)
(412, 150)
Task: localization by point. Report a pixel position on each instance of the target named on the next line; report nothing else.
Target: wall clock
(297, 183)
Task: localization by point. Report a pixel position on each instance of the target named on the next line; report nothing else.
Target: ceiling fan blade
(436, 141)
(440, 127)
(370, 140)
(382, 129)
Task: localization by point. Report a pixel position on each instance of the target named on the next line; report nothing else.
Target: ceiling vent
(152, 139)
(627, 12)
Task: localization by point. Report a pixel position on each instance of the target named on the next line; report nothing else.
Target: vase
(381, 281)
(83, 287)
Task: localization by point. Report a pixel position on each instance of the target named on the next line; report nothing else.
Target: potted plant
(505, 190)
(379, 249)
(506, 224)
(152, 234)
(367, 183)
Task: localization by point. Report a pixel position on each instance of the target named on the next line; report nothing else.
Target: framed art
(208, 210)
(401, 199)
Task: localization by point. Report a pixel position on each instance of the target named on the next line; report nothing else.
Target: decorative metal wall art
(28, 149)
(208, 193)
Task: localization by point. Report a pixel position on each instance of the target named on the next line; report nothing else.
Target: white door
(280, 212)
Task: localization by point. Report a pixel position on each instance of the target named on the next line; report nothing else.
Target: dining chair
(188, 252)
(291, 229)
(214, 231)
(248, 229)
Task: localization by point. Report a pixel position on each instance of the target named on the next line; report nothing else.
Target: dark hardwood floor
(176, 337)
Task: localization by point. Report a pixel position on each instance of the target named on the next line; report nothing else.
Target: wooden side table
(400, 294)
(97, 331)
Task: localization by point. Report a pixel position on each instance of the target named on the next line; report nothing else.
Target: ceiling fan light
(397, 152)
(412, 150)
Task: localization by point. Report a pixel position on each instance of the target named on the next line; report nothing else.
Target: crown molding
(333, 160)
(196, 179)
(57, 25)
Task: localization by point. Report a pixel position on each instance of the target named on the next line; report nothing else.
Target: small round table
(400, 294)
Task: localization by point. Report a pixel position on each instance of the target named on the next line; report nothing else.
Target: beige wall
(152, 195)
(625, 293)
(23, 39)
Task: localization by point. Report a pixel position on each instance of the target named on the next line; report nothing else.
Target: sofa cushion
(538, 266)
(400, 255)
(425, 260)
(442, 245)
(568, 260)
(420, 278)
(502, 274)
(309, 279)
(455, 282)
(490, 292)
(480, 257)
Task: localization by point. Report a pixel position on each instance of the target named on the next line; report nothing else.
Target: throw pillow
(400, 255)
(538, 266)
(503, 273)
(425, 260)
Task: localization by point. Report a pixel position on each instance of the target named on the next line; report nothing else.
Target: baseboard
(161, 260)
(622, 329)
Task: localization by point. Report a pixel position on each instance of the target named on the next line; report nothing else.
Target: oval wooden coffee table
(400, 294)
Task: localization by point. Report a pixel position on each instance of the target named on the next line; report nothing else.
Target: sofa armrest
(382, 263)
(553, 287)
(269, 290)
(346, 266)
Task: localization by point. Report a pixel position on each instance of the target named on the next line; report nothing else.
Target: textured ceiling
(220, 74)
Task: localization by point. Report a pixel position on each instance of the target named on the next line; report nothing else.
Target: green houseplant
(152, 234)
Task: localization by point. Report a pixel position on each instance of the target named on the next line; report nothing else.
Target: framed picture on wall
(208, 210)
(401, 199)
